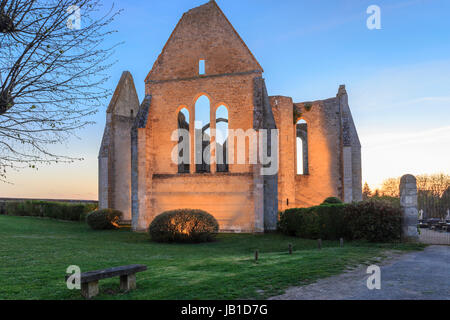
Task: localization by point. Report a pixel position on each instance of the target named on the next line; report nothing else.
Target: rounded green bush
(332, 200)
(104, 219)
(185, 225)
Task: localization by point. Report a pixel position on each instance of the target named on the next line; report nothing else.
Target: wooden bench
(89, 280)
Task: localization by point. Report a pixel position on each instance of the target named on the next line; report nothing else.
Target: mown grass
(35, 254)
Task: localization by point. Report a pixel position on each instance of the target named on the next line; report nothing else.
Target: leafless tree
(433, 193)
(52, 75)
(391, 187)
(433, 198)
(436, 184)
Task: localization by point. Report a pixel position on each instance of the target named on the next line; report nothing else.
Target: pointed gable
(125, 98)
(203, 33)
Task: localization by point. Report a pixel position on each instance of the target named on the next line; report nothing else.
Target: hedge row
(46, 209)
(326, 222)
(374, 221)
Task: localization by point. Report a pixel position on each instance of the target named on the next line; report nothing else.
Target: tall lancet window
(202, 135)
(184, 154)
(222, 139)
(302, 147)
(201, 67)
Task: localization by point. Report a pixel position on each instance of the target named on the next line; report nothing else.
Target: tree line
(433, 193)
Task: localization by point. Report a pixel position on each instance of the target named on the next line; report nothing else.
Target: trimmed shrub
(16, 209)
(2, 207)
(47, 209)
(332, 200)
(374, 221)
(393, 201)
(325, 222)
(104, 219)
(185, 225)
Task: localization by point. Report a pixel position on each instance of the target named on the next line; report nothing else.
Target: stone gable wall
(115, 153)
(203, 33)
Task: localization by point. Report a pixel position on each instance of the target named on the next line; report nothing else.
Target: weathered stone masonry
(137, 176)
(114, 156)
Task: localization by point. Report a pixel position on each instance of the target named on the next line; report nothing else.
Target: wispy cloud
(396, 139)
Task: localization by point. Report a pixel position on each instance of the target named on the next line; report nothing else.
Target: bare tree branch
(52, 76)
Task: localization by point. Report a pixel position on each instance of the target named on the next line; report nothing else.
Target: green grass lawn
(35, 253)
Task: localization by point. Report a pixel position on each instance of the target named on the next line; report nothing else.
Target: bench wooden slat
(92, 276)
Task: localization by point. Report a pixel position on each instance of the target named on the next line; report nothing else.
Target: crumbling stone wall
(264, 119)
(235, 198)
(333, 156)
(283, 112)
(138, 176)
(203, 33)
(115, 153)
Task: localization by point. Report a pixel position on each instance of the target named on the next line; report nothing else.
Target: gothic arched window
(202, 135)
(184, 154)
(222, 139)
(302, 147)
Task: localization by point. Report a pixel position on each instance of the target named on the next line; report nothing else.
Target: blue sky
(398, 78)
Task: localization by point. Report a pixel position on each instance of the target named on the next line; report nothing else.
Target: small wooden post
(256, 255)
(89, 290)
(320, 244)
(342, 242)
(290, 248)
(128, 282)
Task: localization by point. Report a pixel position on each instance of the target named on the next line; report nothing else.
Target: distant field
(35, 253)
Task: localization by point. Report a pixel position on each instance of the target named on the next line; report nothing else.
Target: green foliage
(297, 114)
(104, 219)
(366, 192)
(185, 225)
(393, 201)
(332, 200)
(47, 209)
(325, 222)
(2, 207)
(374, 221)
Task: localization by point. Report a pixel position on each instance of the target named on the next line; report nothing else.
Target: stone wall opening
(202, 135)
(222, 139)
(183, 152)
(201, 67)
(302, 147)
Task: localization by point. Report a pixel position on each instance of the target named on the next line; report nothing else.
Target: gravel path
(423, 275)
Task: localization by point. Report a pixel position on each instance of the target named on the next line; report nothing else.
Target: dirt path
(421, 275)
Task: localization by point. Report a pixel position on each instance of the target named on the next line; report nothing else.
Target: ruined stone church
(318, 150)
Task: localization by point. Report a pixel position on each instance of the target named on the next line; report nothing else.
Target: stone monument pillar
(408, 203)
